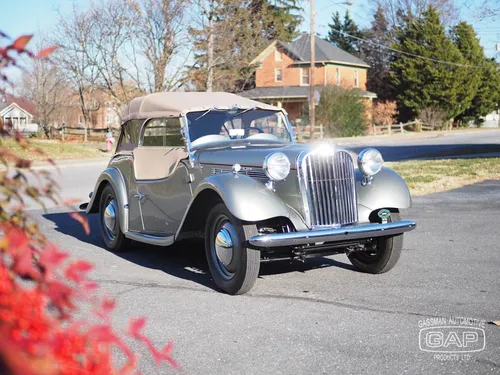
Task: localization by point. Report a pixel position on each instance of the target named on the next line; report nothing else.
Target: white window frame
(276, 75)
(302, 70)
(356, 78)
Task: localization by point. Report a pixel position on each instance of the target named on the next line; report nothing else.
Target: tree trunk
(210, 54)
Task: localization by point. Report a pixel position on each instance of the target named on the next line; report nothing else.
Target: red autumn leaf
(135, 328)
(21, 42)
(46, 52)
(78, 270)
(17, 239)
(61, 296)
(23, 263)
(82, 220)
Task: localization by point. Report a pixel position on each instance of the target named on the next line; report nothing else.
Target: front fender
(387, 190)
(246, 198)
(115, 178)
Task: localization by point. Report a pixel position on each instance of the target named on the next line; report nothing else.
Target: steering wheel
(248, 130)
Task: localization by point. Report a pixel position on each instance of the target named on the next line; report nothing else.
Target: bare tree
(73, 35)
(161, 35)
(45, 86)
(397, 10)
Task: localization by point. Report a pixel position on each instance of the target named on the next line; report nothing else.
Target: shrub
(434, 117)
(342, 112)
(41, 289)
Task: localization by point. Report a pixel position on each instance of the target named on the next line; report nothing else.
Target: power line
(408, 53)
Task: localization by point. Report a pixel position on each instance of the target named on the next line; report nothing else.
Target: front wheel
(385, 255)
(233, 266)
(109, 220)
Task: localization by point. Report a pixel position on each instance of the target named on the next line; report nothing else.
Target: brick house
(282, 75)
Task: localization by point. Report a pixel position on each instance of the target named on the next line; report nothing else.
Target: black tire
(242, 266)
(388, 251)
(113, 238)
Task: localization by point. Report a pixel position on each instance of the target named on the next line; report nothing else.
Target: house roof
(7, 99)
(7, 109)
(291, 92)
(166, 104)
(300, 51)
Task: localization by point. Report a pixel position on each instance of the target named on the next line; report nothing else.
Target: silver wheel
(109, 213)
(223, 247)
(233, 266)
(109, 218)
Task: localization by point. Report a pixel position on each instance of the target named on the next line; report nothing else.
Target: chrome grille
(254, 173)
(328, 189)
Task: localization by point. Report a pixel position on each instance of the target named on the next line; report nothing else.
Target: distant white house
(20, 118)
(491, 120)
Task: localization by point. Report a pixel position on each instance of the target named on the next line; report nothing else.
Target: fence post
(321, 131)
(401, 127)
(389, 129)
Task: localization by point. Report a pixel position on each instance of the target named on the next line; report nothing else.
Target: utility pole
(311, 76)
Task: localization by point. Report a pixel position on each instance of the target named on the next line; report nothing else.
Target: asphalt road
(321, 317)
(460, 144)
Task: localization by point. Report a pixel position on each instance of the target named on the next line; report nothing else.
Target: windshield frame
(236, 142)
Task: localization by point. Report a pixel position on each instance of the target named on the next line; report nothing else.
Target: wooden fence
(302, 132)
(69, 132)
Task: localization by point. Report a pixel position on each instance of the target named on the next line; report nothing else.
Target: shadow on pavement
(437, 151)
(185, 259)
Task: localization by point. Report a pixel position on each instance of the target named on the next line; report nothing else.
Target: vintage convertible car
(222, 167)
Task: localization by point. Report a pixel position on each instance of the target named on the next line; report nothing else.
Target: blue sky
(31, 16)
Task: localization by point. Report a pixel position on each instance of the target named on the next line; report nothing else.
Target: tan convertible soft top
(174, 104)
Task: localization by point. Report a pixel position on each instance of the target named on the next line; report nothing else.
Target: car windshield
(214, 126)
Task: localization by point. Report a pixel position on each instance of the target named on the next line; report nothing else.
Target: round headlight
(370, 161)
(276, 166)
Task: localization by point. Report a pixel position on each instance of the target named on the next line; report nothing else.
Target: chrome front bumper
(332, 235)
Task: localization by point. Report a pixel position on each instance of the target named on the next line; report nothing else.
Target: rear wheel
(385, 255)
(109, 220)
(233, 266)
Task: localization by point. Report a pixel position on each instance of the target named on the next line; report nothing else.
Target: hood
(253, 155)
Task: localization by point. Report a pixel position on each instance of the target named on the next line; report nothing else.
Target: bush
(42, 290)
(432, 116)
(342, 112)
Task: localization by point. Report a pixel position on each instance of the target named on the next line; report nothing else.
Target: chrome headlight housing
(370, 161)
(276, 166)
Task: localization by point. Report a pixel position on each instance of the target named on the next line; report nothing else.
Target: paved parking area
(321, 317)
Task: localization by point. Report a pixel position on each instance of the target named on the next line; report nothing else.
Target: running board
(151, 240)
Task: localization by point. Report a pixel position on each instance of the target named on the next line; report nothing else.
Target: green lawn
(55, 150)
(431, 176)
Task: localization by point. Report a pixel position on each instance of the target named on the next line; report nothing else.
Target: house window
(356, 82)
(278, 75)
(304, 76)
(337, 77)
(278, 56)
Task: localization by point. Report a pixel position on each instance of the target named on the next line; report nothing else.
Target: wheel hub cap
(224, 247)
(110, 216)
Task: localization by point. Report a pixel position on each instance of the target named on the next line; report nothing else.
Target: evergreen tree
(430, 75)
(378, 57)
(339, 31)
(466, 40)
(487, 97)
(242, 29)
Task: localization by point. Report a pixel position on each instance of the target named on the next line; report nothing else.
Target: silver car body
(164, 193)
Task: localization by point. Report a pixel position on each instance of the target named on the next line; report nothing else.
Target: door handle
(139, 196)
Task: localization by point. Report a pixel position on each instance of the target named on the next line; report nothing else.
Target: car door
(163, 188)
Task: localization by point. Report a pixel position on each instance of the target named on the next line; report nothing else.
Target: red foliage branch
(41, 290)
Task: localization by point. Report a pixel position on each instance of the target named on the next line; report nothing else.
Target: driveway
(320, 317)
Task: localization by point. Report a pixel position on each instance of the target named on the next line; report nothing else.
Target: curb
(64, 163)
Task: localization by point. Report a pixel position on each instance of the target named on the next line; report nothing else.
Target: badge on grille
(384, 215)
